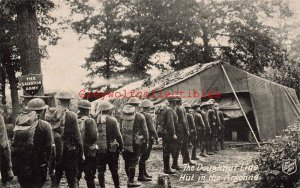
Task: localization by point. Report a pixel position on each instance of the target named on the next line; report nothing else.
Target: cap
(216, 105)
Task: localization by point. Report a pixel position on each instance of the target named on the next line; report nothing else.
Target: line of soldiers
(179, 124)
(50, 142)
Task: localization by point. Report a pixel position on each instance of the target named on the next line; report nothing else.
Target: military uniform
(32, 146)
(69, 147)
(208, 117)
(143, 175)
(192, 135)
(166, 120)
(220, 127)
(135, 133)
(182, 134)
(5, 154)
(110, 143)
(200, 127)
(88, 129)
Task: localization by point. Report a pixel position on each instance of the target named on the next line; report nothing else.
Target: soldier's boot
(184, 156)
(167, 169)
(222, 144)
(101, 179)
(131, 182)
(116, 179)
(209, 149)
(127, 170)
(194, 155)
(145, 172)
(142, 176)
(175, 161)
(203, 148)
(191, 163)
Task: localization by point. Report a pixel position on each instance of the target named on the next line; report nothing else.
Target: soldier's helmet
(209, 102)
(195, 105)
(36, 104)
(133, 100)
(178, 97)
(204, 104)
(172, 98)
(212, 100)
(85, 104)
(64, 95)
(105, 105)
(186, 105)
(128, 109)
(146, 103)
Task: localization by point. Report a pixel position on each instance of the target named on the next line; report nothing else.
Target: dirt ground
(228, 168)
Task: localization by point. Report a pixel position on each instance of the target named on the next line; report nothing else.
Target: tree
(29, 52)
(251, 43)
(104, 25)
(168, 26)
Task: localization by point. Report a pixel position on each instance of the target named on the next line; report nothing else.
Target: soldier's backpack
(22, 144)
(101, 138)
(81, 124)
(160, 119)
(56, 118)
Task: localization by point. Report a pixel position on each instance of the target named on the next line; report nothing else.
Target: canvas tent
(274, 106)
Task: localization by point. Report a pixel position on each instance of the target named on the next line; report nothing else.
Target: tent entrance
(236, 127)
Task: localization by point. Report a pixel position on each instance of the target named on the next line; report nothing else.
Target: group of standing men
(50, 142)
(181, 124)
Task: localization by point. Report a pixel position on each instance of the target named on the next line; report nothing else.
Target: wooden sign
(31, 84)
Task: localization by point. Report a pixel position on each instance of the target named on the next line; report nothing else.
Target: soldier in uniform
(135, 133)
(109, 142)
(88, 130)
(220, 125)
(193, 135)
(201, 131)
(213, 123)
(32, 145)
(166, 119)
(143, 175)
(206, 113)
(69, 148)
(5, 154)
(182, 132)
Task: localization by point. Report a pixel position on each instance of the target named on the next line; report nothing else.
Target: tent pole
(240, 104)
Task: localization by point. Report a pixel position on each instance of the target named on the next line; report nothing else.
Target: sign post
(31, 84)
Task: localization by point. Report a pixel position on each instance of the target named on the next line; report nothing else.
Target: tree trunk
(14, 92)
(206, 53)
(28, 38)
(2, 84)
(11, 75)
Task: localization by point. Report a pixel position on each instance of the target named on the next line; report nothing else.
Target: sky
(63, 71)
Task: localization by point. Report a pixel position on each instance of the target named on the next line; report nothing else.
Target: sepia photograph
(149, 93)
